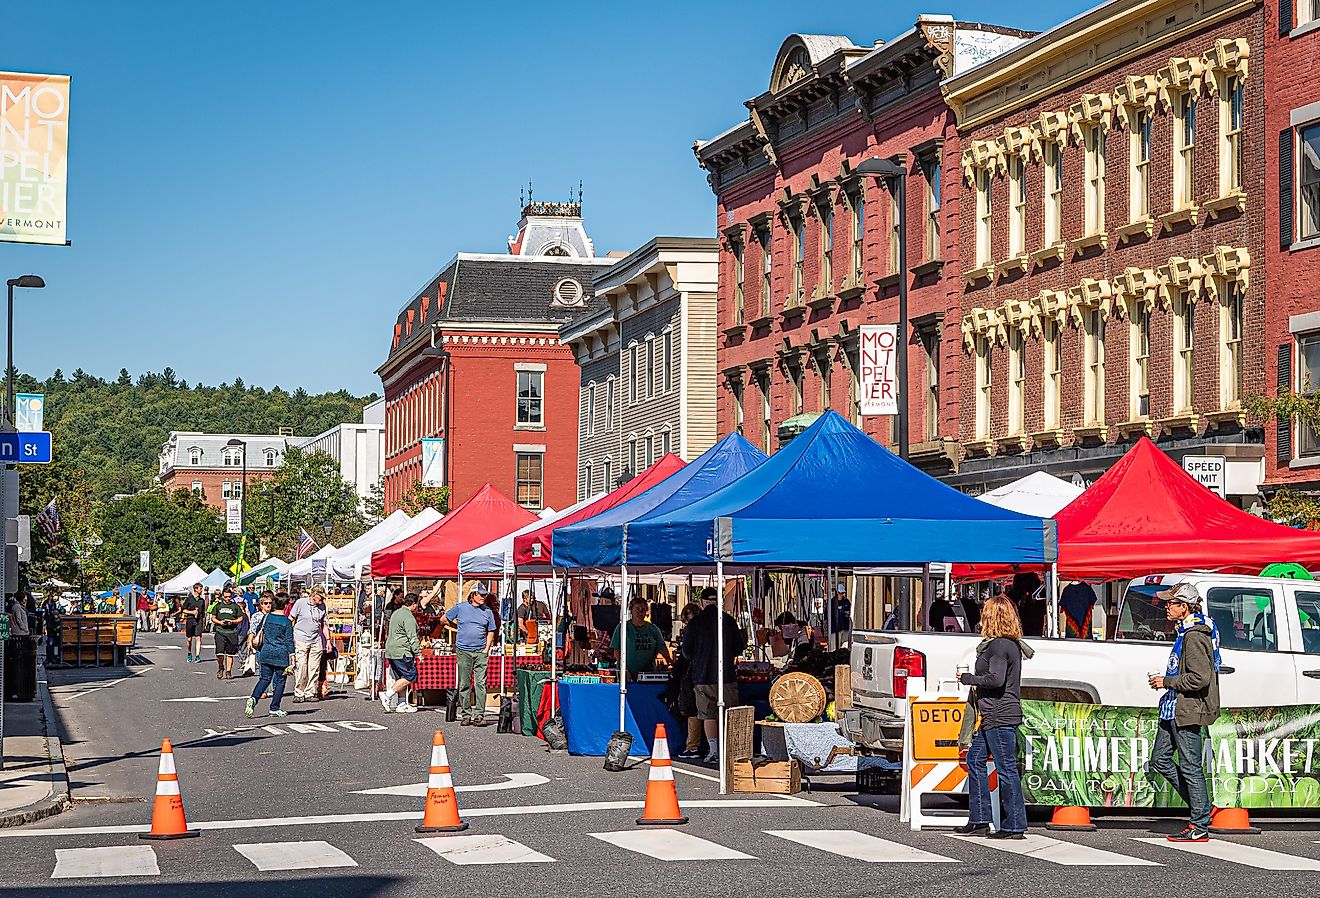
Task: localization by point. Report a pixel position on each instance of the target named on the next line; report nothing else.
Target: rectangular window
(1053, 364)
(1017, 381)
(1139, 349)
(766, 260)
(1139, 157)
(858, 235)
(795, 376)
(609, 404)
(739, 274)
(530, 481)
(799, 259)
(665, 437)
(1184, 354)
(648, 458)
(1095, 180)
(530, 384)
(763, 386)
(1308, 383)
(984, 384)
(930, 341)
(854, 391)
(1230, 330)
(984, 217)
(1307, 11)
(632, 456)
(895, 222)
(827, 249)
(668, 374)
(586, 480)
(1308, 181)
(934, 173)
(1093, 402)
(738, 412)
(652, 373)
(224, 490)
(1053, 194)
(634, 372)
(823, 371)
(1230, 129)
(1184, 152)
(607, 475)
(1017, 208)
(591, 408)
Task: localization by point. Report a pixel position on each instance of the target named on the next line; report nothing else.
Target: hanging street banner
(233, 516)
(877, 373)
(1096, 756)
(34, 165)
(29, 412)
(433, 462)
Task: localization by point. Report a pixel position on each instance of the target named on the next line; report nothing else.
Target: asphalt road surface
(324, 802)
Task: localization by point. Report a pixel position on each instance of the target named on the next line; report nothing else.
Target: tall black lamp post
(31, 282)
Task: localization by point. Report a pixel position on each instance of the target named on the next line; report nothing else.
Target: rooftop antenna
(522, 202)
(579, 194)
(529, 191)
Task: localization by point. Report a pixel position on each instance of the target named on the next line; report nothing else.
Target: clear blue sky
(256, 188)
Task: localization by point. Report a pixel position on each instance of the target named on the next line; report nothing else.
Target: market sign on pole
(1211, 471)
(34, 148)
(29, 412)
(144, 561)
(877, 373)
(433, 462)
(233, 516)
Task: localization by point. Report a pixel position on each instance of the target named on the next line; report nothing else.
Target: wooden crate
(772, 777)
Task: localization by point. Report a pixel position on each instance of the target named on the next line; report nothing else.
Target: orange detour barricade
(1232, 821)
(167, 820)
(933, 765)
(661, 794)
(1071, 818)
(441, 814)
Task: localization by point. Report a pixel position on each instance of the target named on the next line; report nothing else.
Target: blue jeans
(999, 743)
(1187, 774)
(270, 673)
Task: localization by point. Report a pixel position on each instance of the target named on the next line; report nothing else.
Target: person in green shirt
(401, 650)
(645, 641)
(226, 617)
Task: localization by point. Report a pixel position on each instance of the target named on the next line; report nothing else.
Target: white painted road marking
(294, 855)
(860, 846)
(350, 726)
(492, 849)
(1237, 853)
(207, 699)
(418, 790)
(671, 845)
(1067, 854)
(118, 860)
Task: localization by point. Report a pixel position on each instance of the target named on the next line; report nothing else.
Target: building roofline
(639, 260)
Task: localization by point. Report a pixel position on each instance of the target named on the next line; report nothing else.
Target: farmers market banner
(1096, 756)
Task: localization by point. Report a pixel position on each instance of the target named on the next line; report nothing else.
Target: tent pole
(623, 651)
(719, 673)
(554, 636)
(1053, 628)
(948, 585)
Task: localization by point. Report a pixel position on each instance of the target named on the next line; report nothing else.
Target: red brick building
(475, 362)
(1292, 233)
(1111, 232)
(809, 248)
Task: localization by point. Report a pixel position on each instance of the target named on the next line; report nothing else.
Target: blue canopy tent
(834, 496)
(126, 591)
(602, 541)
(216, 579)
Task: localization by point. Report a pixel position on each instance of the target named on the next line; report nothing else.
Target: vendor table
(531, 683)
(591, 716)
(441, 671)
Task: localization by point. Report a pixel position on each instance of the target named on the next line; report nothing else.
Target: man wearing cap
(1190, 703)
(701, 647)
(476, 634)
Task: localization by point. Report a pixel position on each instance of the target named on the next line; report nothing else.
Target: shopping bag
(250, 665)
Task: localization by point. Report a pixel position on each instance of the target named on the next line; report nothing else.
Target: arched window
(197, 487)
(233, 456)
(270, 458)
(194, 456)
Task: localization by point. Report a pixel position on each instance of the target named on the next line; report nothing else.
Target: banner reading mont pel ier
(1096, 756)
(34, 164)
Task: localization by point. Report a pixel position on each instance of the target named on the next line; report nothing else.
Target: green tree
(55, 556)
(374, 507)
(419, 497)
(305, 493)
(177, 528)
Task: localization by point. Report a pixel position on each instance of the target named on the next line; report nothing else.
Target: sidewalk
(34, 783)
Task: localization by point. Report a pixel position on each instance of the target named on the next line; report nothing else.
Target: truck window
(1308, 612)
(1245, 618)
(1143, 616)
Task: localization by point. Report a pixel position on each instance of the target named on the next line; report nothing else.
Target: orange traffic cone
(441, 814)
(1232, 820)
(661, 794)
(167, 820)
(1071, 817)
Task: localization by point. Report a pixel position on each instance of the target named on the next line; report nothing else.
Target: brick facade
(1086, 91)
(1292, 242)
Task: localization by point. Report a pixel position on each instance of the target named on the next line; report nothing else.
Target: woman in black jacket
(997, 681)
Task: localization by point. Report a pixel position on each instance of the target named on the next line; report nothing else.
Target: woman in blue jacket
(276, 635)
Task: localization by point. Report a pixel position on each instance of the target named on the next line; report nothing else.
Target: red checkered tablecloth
(441, 671)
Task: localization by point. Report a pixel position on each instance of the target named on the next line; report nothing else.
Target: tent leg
(719, 655)
(554, 636)
(1053, 627)
(623, 651)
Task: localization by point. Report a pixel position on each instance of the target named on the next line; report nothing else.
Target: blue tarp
(599, 541)
(835, 496)
(126, 592)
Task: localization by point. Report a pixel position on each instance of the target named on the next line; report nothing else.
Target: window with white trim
(1093, 400)
(763, 386)
(591, 408)
(665, 442)
(530, 480)
(930, 342)
(827, 248)
(1184, 151)
(586, 480)
(271, 457)
(1139, 353)
(739, 274)
(1308, 384)
(1053, 194)
(984, 384)
(648, 450)
(858, 202)
(232, 456)
(224, 490)
(1308, 181)
(607, 474)
(895, 224)
(1053, 368)
(1184, 353)
(1306, 11)
(634, 372)
(854, 390)
(933, 168)
(1017, 381)
(1017, 207)
(764, 237)
(531, 391)
(1139, 166)
(736, 388)
(194, 456)
(799, 227)
(652, 373)
(197, 487)
(1230, 136)
(632, 455)
(795, 378)
(1095, 180)
(984, 217)
(668, 373)
(609, 404)
(1230, 345)
(823, 373)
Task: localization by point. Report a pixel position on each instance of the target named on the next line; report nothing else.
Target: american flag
(305, 543)
(49, 519)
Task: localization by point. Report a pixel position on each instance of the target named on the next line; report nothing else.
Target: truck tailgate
(872, 662)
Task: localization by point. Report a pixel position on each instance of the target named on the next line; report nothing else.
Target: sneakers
(711, 759)
(190, 659)
(405, 708)
(973, 829)
(686, 755)
(1005, 834)
(1191, 833)
(389, 700)
(249, 708)
(279, 713)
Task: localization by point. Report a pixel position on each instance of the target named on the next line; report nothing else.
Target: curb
(58, 800)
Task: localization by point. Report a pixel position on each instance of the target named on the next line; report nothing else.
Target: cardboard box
(773, 777)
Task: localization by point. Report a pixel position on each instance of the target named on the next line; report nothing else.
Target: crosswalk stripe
(1067, 854)
(859, 846)
(1236, 853)
(670, 845)
(117, 860)
(492, 849)
(294, 855)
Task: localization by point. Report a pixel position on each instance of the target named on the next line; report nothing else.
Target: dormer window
(194, 456)
(271, 457)
(232, 456)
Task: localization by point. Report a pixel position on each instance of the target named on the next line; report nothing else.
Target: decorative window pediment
(1136, 92)
(1054, 127)
(1183, 74)
(982, 154)
(1180, 275)
(1053, 305)
(1091, 109)
(1136, 287)
(1022, 314)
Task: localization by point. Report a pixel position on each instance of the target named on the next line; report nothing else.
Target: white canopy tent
(1039, 494)
(342, 564)
(303, 566)
(496, 556)
(183, 581)
(216, 579)
(425, 518)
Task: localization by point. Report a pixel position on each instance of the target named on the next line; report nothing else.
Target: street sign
(25, 448)
(878, 379)
(233, 516)
(144, 562)
(1211, 471)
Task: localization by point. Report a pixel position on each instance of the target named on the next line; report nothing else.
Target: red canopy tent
(1147, 515)
(535, 547)
(434, 551)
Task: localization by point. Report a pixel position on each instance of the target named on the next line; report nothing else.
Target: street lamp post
(242, 499)
(31, 282)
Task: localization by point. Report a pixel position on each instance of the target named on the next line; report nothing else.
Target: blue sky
(256, 188)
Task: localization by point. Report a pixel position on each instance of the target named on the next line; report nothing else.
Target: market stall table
(531, 686)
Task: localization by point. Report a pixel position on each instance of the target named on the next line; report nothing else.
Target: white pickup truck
(1269, 639)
